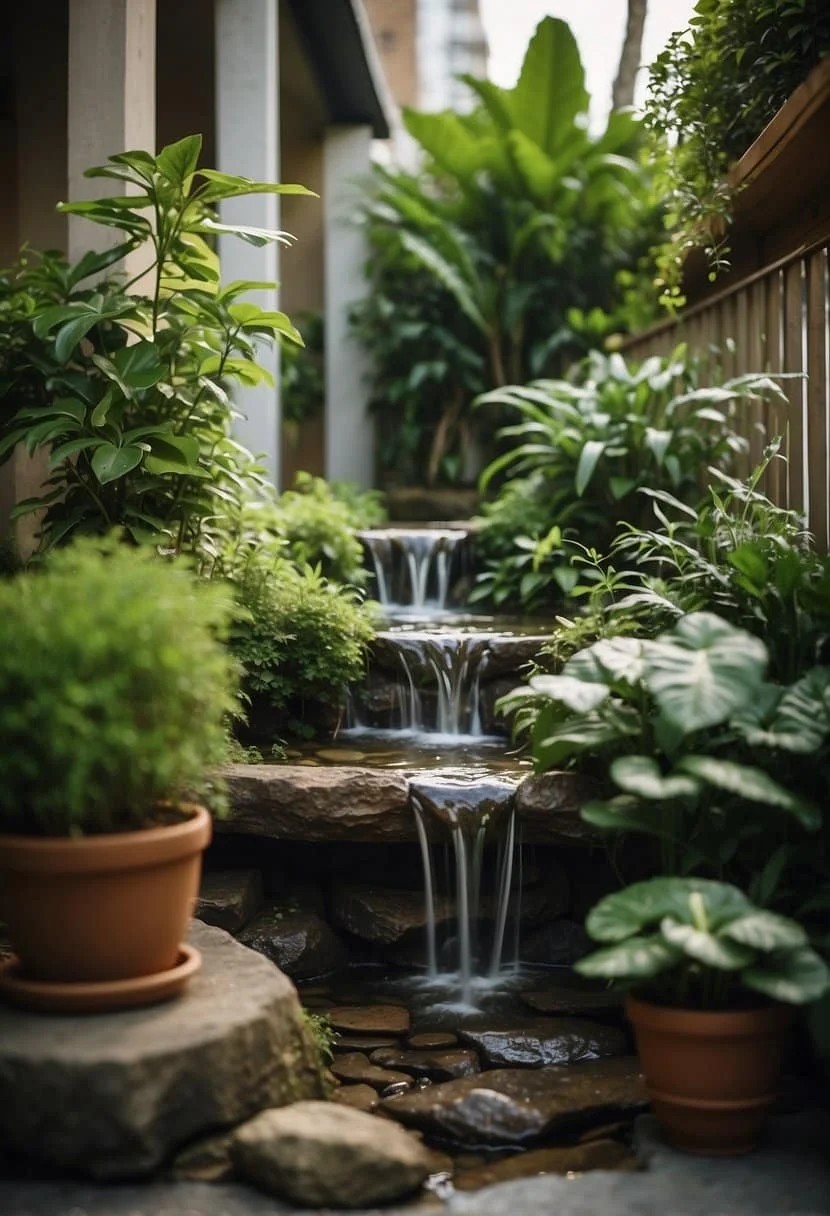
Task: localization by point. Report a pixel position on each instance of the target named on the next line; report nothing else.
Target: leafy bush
(724, 770)
(128, 392)
(492, 264)
(593, 443)
(302, 376)
(302, 641)
(711, 92)
(114, 689)
(701, 945)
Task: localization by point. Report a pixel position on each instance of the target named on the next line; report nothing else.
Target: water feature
(415, 568)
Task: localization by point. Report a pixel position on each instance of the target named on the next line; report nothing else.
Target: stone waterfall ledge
(114, 1095)
(363, 805)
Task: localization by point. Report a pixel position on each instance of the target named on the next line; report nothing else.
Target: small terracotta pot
(711, 1077)
(100, 908)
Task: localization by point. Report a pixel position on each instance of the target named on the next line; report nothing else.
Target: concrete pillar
(111, 100)
(349, 430)
(247, 143)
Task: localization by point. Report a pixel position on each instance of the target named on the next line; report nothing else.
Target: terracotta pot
(711, 1077)
(102, 908)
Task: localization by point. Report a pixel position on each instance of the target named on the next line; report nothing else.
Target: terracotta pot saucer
(101, 997)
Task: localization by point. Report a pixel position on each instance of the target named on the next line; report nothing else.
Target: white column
(247, 143)
(111, 99)
(349, 430)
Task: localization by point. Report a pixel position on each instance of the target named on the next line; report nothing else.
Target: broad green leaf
(70, 448)
(793, 976)
(765, 931)
(657, 443)
(703, 671)
(448, 275)
(225, 185)
(246, 232)
(751, 783)
(576, 694)
(611, 659)
(102, 409)
(624, 814)
(536, 169)
(704, 947)
(445, 138)
(647, 903)
(641, 775)
(550, 91)
(70, 334)
(588, 460)
(110, 462)
(750, 561)
(139, 365)
(638, 958)
(178, 161)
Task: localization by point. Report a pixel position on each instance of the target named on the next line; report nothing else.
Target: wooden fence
(776, 320)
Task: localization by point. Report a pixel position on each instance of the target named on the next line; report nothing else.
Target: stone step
(363, 805)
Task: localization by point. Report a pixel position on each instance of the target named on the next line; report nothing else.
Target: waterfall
(453, 664)
(473, 812)
(414, 567)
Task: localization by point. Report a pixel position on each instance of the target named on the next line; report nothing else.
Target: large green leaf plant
(503, 254)
(124, 377)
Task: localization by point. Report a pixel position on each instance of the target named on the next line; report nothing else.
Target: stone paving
(788, 1176)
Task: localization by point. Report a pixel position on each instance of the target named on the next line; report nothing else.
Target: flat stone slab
(370, 1019)
(228, 899)
(304, 802)
(519, 1106)
(437, 1065)
(354, 1067)
(361, 1097)
(368, 805)
(547, 1041)
(562, 1000)
(114, 1095)
(788, 1174)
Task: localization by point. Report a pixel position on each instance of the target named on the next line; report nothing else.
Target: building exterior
(425, 45)
(287, 90)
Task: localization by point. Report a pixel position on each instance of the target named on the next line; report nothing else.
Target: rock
(229, 898)
(207, 1160)
(361, 1097)
(573, 1159)
(546, 1041)
(437, 1065)
(113, 1096)
(355, 1068)
(557, 944)
(518, 1106)
(322, 1154)
(300, 943)
(566, 1001)
(548, 806)
(508, 654)
(450, 797)
(369, 1042)
(310, 803)
(427, 504)
(433, 1040)
(370, 1019)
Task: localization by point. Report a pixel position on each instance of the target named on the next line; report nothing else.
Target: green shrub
(115, 688)
(303, 640)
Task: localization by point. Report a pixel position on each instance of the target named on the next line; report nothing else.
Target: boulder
(115, 1095)
(519, 1106)
(548, 806)
(314, 803)
(546, 1041)
(510, 654)
(324, 1154)
(206, 1160)
(299, 942)
(228, 899)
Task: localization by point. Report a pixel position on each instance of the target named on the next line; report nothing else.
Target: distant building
(425, 45)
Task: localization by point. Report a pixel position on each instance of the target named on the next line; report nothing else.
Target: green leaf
(550, 91)
(648, 903)
(225, 185)
(178, 161)
(110, 462)
(588, 460)
(702, 671)
(623, 814)
(641, 775)
(638, 958)
(139, 365)
(71, 333)
(609, 659)
(447, 275)
(705, 947)
(750, 561)
(750, 783)
(765, 931)
(246, 232)
(575, 694)
(99, 414)
(795, 976)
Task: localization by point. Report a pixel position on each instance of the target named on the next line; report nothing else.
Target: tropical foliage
(502, 259)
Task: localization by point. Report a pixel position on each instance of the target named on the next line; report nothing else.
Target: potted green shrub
(115, 688)
(712, 979)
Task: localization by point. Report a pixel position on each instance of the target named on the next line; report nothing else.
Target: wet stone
(370, 1019)
(228, 899)
(559, 943)
(361, 1097)
(546, 1041)
(380, 914)
(433, 1040)
(355, 1068)
(369, 1042)
(300, 943)
(548, 805)
(207, 1160)
(520, 1106)
(571, 1159)
(454, 798)
(565, 1001)
(437, 1065)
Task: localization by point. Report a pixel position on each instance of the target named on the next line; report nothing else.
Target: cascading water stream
(414, 567)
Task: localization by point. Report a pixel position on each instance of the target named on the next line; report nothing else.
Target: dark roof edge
(342, 50)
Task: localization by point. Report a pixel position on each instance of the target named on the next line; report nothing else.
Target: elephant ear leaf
(550, 91)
